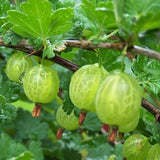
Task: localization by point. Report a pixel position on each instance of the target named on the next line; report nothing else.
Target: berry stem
(36, 110)
(112, 136)
(121, 135)
(59, 133)
(82, 117)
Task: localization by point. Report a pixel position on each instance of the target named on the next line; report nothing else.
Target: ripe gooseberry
(41, 84)
(67, 121)
(16, 65)
(84, 84)
(136, 147)
(118, 99)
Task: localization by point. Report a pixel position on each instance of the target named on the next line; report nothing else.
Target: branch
(151, 108)
(89, 45)
(116, 46)
(24, 46)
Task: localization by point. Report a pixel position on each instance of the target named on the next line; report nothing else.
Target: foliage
(46, 24)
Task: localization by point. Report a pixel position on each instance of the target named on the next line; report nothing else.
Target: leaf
(149, 39)
(23, 156)
(139, 64)
(36, 150)
(118, 9)
(2, 99)
(138, 15)
(144, 22)
(4, 7)
(42, 22)
(36, 42)
(108, 58)
(92, 122)
(101, 17)
(71, 154)
(141, 7)
(102, 152)
(60, 21)
(154, 130)
(9, 90)
(118, 151)
(64, 75)
(147, 72)
(26, 105)
(30, 128)
(7, 112)
(67, 104)
(11, 37)
(9, 148)
(48, 51)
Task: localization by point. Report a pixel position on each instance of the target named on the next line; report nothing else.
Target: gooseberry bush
(79, 79)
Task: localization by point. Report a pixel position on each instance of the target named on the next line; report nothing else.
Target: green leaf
(48, 51)
(154, 130)
(31, 128)
(36, 150)
(102, 16)
(23, 156)
(92, 122)
(71, 154)
(9, 90)
(9, 148)
(118, 9)
(60, 21)
(139, 64)
(36, 42)
(108, 58)
(147, 72)
(37, 20)
(11, 37)
(67, 104)
(2, 99)
(102, 152)
(138, 15)
(141, 7)
(64, 75)
(4, 7)
(118, 151)
(144, 22)
(7, 112)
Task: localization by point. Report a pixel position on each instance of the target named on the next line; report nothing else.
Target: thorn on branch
(34, 52)
(36, 111)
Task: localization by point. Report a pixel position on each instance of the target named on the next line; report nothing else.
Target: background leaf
(42, 22)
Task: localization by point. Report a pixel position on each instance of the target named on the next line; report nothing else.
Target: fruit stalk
(59, 133)
(36, 111)
(82, 116)
(112, 136)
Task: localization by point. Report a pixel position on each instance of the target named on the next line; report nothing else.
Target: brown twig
(151, 108)
(116, 46)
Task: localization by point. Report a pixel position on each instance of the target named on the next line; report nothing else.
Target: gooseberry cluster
(115, 97)
(40, 82)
